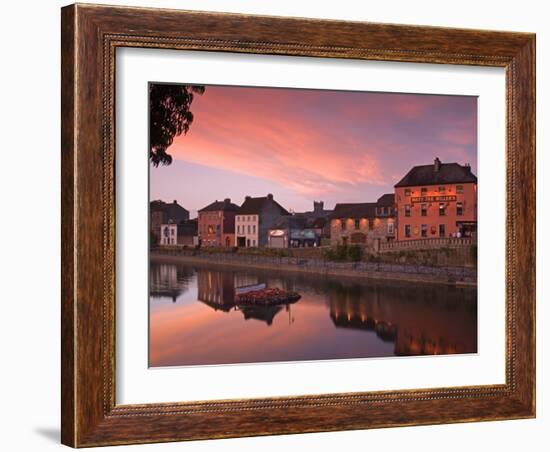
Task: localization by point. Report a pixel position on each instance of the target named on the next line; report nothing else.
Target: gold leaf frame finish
(90, 36)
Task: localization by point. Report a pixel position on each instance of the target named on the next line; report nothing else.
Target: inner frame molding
(90, 36)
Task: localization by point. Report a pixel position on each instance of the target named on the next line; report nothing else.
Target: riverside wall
(455, 275)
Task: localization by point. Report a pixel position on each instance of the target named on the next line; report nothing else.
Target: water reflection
(194, 318)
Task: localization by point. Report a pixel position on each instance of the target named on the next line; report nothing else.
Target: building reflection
(216, 289)
(169, 281)
(417, 321)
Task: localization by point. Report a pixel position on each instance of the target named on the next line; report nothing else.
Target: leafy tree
(169, 116)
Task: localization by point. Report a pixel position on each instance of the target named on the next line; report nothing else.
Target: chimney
(175, 201)
(246, 198)
(227, 201)
(437, 164)
(270, 196)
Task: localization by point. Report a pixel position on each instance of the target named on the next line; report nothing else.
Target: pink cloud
(262, 140)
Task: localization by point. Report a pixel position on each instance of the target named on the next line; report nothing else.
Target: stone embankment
(455, 275)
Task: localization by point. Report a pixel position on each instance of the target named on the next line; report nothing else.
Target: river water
(193, 319)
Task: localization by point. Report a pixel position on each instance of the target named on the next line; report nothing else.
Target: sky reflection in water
(193, 319)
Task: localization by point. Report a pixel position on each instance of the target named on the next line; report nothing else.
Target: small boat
(261, 295)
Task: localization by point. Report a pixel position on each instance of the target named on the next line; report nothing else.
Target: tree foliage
(169, 116)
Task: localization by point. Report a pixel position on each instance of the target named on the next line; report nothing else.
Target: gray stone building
(255, 218)
(362, 223)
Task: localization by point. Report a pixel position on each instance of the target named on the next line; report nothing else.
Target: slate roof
(354, 210)
(253, 206)
(448, 173)
(216, 206)
(387, 200)
(171, 211)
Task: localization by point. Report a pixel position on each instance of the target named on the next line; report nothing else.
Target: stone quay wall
(372, 270)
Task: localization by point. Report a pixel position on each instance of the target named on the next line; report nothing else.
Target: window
(390, 228)
(423, 191)
(357, 223)
(254, 242)
(407, 192)
(459, 209)
(171, 231)
(441, 189)
(248, 229)
(442, 230)
(407, 230)
(441, 209)
(238, 229)
(424, 210)
(459, 189)
(248, 218)
(253, 229)
(424, 230)
(211, 229)
(407, 210)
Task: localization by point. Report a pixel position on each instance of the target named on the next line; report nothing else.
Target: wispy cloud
(324, 144)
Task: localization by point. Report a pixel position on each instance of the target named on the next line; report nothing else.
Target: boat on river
(261, 295)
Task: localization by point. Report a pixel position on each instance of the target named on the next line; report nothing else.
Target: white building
(246, 230)
(169, 234)
(254, 219)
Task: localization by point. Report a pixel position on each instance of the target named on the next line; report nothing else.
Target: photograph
(292, 224)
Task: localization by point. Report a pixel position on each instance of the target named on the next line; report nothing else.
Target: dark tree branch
(169, 116)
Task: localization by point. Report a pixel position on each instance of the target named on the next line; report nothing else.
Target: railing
(448, 242)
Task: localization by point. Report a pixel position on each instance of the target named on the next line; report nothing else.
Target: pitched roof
(157, 205)
(255, 205)
(447, 173)
(355, 210)
(386, 200)
(225, 205)
(171, 211)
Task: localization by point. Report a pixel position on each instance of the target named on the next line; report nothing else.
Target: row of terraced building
(438, 200)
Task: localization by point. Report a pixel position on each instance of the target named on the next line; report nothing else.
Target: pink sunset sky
(304, 145)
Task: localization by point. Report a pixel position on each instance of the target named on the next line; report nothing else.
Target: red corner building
(437, 201)
(217, 224)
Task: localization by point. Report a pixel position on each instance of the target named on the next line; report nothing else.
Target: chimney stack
(175, 201)
(247, 198)
(437, 164)
(227, 201)
(270, 196)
